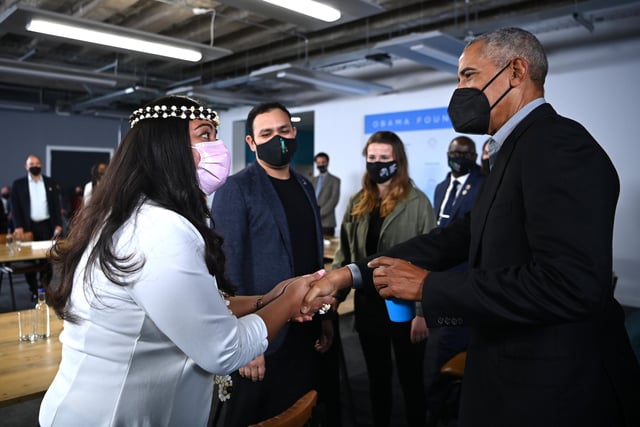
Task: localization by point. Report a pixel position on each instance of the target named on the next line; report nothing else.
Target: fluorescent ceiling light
(296, 119)
(320, 80)
(216, 97)
(310, 8)
(32, 22)
(114, 40)
(432, 49)
(50, 72)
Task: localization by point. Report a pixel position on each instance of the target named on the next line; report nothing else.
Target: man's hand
(325, 288)
(323, 344)
(419, 330)
(254, 370)
(18, 233)
(394, 277)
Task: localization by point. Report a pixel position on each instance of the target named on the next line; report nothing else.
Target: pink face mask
(213, 168)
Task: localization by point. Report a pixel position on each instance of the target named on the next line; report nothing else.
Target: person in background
(4, 222)
(149, 317)
(548, 345)
(97, 171)
(35, 202)
(327, 188)
(268, 215)
(75, 201)
(5, 196)
(453, 198)
(388, 210)
(484, 159)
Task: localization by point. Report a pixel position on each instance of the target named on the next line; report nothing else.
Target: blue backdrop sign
(402, 121)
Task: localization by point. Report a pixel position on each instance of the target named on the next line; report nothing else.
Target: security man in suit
(548, 345)
(327, 187)
(36, 207)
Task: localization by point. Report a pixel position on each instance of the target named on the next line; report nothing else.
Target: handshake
(392, 277)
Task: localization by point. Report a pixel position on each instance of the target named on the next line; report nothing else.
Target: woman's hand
(254, 370)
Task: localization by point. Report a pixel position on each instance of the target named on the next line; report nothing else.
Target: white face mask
(214, 165)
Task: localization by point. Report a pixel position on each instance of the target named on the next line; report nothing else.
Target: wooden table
(29, 251)
(26, 369)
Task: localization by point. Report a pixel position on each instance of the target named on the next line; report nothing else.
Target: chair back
(455, 366)
(297, 415)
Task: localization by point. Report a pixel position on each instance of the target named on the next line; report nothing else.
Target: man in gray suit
(327, 188)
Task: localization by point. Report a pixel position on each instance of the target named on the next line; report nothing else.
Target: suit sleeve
(438, 250)
(333, 199)
(55, 208)
(18, 204)
(229, 213)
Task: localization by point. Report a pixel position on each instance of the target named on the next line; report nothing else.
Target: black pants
(42, 230)
(409, 361)
(291, 371)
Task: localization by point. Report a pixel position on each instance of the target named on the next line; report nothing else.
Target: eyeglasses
(467, 154)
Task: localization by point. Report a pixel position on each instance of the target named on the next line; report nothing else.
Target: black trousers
(42, 230)
(409, 362)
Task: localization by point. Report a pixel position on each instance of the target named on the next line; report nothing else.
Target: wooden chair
(454, 369)
(19, 267)
(297, 415)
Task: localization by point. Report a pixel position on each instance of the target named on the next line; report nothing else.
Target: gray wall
(23, 134)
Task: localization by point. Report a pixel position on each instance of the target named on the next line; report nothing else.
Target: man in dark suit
(454, 197)
(36, 208)
(327, 187)
(548, 345)
(269, 219)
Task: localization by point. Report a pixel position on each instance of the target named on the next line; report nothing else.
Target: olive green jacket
(411, 217)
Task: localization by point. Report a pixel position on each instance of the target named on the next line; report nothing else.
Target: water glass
(27, 325)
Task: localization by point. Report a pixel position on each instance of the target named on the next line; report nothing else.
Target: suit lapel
(271, 200)
(494, 180)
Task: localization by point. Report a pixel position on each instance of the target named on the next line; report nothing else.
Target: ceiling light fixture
(310, 8)
(432, 49)
(114, 40)
(29, 21)
(49, 72)
(320, 80)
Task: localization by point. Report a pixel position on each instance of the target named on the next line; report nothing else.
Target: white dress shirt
(38, 199)
(461, 179)
(144, 354)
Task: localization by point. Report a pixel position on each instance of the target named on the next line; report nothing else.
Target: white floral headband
(180, 112)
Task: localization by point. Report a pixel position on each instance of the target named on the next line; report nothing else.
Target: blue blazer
(248, 214)
(21, 203)
(467, 196)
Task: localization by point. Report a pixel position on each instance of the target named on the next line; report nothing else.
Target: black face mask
(277, 151)
(381, 172)
(35, 170)
(460, 165)
(322, 169)
(469, 108)
(6, 196)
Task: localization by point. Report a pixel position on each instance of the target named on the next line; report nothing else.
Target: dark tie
(492, 152)
(445, 214)
(319, 184)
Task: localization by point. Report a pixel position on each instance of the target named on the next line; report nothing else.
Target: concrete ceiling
(376, 41)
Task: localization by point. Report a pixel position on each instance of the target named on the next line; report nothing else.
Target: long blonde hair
(400, 184)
